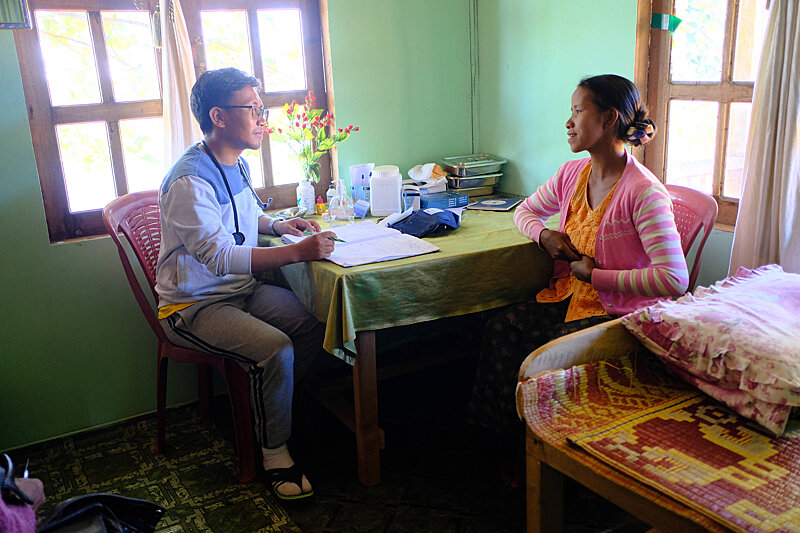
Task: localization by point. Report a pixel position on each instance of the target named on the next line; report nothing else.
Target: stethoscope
(238, 236)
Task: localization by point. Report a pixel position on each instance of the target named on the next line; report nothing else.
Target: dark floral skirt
(508, 338)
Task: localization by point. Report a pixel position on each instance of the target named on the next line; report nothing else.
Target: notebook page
(382, 249)
(351, 233)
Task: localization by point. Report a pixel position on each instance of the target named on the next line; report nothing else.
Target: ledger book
(367, 242)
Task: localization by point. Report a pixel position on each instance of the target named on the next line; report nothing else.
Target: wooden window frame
(43, 117)
(653, 47)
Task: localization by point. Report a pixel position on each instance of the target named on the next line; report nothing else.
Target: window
(699, 90)
(91, 74)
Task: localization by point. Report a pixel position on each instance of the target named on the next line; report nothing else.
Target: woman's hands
(559, 246)
(582, 268)
(294, 226)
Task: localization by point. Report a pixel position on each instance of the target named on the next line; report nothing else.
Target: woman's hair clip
(640, 133)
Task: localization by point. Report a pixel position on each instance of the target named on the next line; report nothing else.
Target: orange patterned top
(581, 227)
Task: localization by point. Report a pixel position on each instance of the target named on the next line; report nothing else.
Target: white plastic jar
(305, 196)
(384, 191)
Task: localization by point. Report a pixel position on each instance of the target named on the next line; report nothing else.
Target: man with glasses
(208, 297)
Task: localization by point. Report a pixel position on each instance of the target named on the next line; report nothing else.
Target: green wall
(401, 73)
(75, 351)
(532, 55)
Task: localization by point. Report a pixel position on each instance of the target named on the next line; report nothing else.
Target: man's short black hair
(215, 88)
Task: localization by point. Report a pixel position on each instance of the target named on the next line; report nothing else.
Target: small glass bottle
(340, 207)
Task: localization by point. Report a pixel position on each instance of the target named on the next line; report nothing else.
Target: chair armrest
(603, 341)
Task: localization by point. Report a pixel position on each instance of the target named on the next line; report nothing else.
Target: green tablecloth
(484, 264)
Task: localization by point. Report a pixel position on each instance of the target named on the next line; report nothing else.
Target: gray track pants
(270, 334)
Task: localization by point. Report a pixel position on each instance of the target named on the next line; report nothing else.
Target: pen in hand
(306, 232)
(25, 472)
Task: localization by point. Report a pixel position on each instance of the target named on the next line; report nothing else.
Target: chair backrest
(136, 216)
(694, 210)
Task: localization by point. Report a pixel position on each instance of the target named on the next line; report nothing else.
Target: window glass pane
(285, 166)
(751, 26)
(281, 49)
(131, 56)
(698, 41)
(142, 149)
(68, 57)
(738, 130)
(226, 40)
(253, 158)
(87, 165)
(691, 140)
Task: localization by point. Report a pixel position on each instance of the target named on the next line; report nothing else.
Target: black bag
(103, 513)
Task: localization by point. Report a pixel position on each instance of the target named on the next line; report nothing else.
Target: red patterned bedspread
(661, 432)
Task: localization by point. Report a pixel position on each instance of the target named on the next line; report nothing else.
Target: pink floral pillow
(738, 341)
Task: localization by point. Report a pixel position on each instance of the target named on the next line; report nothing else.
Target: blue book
(495, 204)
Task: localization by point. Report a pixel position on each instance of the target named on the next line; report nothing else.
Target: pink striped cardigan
(638, 249)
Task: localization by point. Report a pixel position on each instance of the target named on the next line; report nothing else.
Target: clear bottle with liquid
(340, 207)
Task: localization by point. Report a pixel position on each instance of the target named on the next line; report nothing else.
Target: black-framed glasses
(255, 111)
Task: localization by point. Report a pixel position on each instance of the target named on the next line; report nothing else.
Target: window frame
(653, 48)
(43, 117)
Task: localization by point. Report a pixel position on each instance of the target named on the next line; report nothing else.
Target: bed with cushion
(683, 413)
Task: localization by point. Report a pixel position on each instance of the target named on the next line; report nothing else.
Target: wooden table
(484, 264)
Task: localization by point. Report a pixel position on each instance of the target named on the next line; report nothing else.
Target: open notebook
(367, 242)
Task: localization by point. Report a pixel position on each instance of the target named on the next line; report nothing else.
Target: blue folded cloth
(423, 223)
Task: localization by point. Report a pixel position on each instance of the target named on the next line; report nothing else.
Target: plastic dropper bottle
(319, 208)
(330, 194)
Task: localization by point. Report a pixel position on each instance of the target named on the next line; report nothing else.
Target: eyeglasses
(255, 111)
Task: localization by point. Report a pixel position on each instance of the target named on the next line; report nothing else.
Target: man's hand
(558, 245)
(317, 246)
(294, 226)
(582, 268)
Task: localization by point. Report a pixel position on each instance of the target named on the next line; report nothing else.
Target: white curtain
(177, 72)
(768, 225)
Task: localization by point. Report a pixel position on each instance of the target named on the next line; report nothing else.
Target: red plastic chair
(136, 216)
(694, 210)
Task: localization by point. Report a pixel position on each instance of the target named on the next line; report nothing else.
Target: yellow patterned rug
(685, 444)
